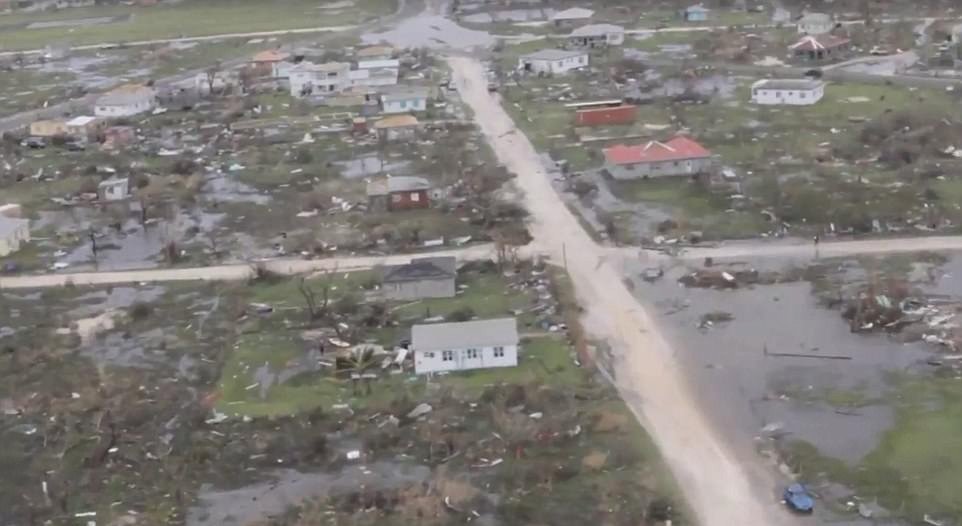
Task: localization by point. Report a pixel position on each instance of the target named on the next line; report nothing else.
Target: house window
(499, 352)
(429, 355)
(447, 356)
(560, 64)
(395, 198)
(472, 354)
(403, 104)
(415, 197)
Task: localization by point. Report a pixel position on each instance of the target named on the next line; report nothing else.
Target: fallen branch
(800, 355)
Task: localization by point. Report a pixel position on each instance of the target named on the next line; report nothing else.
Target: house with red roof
(680, 156)
(820, 47)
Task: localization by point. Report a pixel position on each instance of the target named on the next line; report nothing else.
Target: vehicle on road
(798, 499)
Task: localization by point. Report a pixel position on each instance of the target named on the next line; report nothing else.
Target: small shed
(398, 193)
(83, 127)
(815, 24)
(48, 128)
(113, 189)
(622, 114)
(397, 127)
(695, 13)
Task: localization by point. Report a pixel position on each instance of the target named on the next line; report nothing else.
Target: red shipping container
(624, 114)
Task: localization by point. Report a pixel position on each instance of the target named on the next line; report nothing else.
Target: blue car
(799, 499)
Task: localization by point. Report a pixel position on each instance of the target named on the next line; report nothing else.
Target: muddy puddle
(509, 15)
(224, 187)
(290, 488)
(431, 31)
(782, 360)
(128, 247)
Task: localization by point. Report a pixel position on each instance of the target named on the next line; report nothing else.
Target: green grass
(284, 292)
(24, 88)
(253, 351)
(188, 18)
(486, 294)
(542, 361)
(654, 41)
(917, 467)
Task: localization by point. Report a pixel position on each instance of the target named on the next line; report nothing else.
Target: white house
(815, 24)
(789, 92)
(404, 100)
(555, 61)
(126, 100)
(466, 345)
(597, 35)
(318, 79)
(14, 231)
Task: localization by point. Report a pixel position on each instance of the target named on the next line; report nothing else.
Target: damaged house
(308, 79)
(596, 36)
(679, 156)
(819, 48)
(421, 278)
(553, 61)
(466, 345)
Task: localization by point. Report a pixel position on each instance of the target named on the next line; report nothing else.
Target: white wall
(556, 67)
(125, 110)
(464, 359)
(816, 28)
(768, 96)
(17, 237)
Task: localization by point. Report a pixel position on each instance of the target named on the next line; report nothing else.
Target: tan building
(48, 128)
(397, 127)
(84, 126)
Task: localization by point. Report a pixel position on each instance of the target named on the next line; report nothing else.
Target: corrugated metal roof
(677, 149)
(420, 269)
(552, 54)
(402, 183)
(789, 84)
(465, 335)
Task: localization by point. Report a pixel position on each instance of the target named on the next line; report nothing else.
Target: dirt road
(234, 272)
(804, 248)
(648, 376)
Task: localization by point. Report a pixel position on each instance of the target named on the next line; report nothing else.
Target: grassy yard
(916, 468)
(272, 348)
(188, 18)
(718, 17)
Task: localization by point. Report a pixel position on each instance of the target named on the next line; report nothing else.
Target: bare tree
(211, 76)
